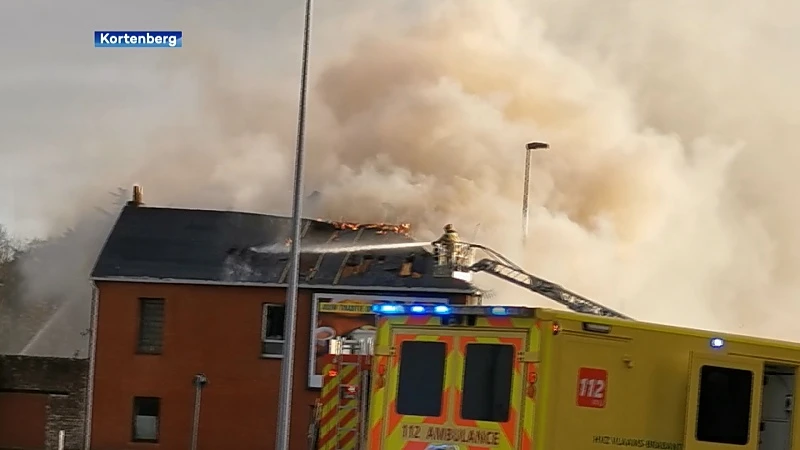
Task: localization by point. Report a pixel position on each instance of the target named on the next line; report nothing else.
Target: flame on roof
(381, 228)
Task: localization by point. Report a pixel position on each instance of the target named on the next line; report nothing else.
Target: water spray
(333, 248)
(364, 247)
(60, 311)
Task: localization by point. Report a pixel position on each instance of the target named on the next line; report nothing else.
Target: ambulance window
(421, 378)
(488, 372)
(723, 410)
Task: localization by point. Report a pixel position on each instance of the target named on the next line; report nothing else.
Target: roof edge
(472, 291)
(108, 236)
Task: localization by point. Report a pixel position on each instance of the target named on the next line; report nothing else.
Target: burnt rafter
(403, 229)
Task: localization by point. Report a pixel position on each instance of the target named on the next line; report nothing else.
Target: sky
(68, 108)
(668, 192)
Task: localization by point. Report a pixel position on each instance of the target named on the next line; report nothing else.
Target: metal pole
(287, 364)
(200, 381)
(529, 147)
(525, 196)
(62, 436)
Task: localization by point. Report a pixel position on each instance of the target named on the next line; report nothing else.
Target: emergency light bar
(447, 310)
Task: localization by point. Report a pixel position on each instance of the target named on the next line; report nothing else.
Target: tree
(8, 246)
(10, 251)
(48, 287)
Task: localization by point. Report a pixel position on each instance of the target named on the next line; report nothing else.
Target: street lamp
(529, 147)
(290, 321)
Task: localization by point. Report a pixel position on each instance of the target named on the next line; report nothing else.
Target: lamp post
(290, 321)
(529, 147)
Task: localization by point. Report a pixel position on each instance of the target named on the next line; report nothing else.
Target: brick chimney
(136, 199)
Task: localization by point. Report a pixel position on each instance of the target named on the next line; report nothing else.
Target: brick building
(39, 397)
(182, 292)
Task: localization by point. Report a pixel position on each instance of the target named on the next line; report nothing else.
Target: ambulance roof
(412, 309)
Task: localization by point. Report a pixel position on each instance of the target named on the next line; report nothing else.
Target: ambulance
(453, 377)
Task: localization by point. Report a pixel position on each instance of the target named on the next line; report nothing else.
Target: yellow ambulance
(446, 377)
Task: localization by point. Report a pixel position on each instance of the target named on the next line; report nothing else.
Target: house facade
(185, 295)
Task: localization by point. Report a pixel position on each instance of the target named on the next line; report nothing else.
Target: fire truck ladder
(501, 267)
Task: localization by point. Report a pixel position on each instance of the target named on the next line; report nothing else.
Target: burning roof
(222, 246)
(380, 228)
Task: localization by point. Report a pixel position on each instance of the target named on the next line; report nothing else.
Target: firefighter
(449, 241)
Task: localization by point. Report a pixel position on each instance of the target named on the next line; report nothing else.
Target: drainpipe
(87, 443)
(200, 382)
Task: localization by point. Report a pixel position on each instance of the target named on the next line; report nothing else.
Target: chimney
(136, 200)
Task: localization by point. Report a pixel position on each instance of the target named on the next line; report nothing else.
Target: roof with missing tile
(205, 246)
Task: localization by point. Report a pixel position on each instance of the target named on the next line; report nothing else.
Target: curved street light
(529, 147)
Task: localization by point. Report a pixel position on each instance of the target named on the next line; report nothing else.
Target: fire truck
(452, 377)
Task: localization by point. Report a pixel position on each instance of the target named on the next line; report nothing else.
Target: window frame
(135, 415)
(442, 401)
(700, 418)
(509, 400)
(142, 348)
(265, 341)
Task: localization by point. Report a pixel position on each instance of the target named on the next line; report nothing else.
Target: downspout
(90, 376)
(200, 381)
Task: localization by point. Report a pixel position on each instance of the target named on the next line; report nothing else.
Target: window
(146, 412)
(421, 379)
(151, 326)
(723, 407)
(488, 371)
(272, 336)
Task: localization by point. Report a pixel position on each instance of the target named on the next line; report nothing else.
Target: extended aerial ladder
(457, 261)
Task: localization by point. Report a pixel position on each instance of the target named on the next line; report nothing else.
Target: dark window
(488, 371)
(723, 407)
(151, 326)
(421, 378)
(272, 335)
(146, 412)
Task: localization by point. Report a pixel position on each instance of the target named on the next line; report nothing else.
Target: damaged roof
(206, 246)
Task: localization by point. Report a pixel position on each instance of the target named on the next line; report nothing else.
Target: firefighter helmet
(449, 228)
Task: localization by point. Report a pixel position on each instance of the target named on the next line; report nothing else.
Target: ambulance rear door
(417, 387)
(455, 388)
(488, 399)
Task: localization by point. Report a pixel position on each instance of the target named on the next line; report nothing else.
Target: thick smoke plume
(669, 192)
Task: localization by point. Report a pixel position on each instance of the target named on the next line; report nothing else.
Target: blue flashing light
(446, 310)
(441, 309)
(717, 342)
(499, 311)
(388, 309)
